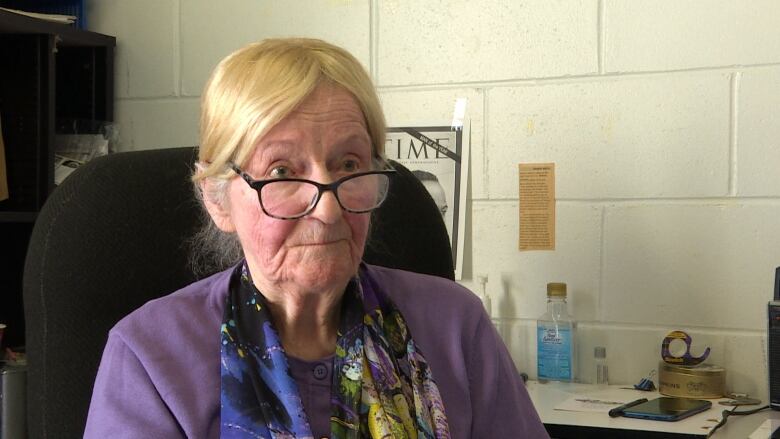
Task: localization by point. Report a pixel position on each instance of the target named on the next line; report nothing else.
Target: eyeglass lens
(293, 198)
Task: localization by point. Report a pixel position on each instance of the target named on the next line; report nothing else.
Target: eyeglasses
(291, 198)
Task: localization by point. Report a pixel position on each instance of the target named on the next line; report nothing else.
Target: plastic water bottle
(601, 375)
(555, 338)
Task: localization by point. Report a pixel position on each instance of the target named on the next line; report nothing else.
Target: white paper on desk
(765, 430)
(590, 403)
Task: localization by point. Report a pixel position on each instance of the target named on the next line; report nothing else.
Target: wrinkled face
(324, 139)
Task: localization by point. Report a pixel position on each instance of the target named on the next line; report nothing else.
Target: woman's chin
(325, 273)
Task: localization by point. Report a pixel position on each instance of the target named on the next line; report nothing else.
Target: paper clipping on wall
(439, 157)
(537, 206)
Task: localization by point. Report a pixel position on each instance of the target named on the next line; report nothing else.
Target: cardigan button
(320, 371)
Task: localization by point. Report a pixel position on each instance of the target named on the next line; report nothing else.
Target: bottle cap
(600, 352)
(556, 289)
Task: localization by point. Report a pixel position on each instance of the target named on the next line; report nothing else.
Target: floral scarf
(382, 386)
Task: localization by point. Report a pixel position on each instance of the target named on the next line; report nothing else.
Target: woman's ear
(215, 200)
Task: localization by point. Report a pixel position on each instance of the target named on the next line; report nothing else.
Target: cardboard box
(3, 172)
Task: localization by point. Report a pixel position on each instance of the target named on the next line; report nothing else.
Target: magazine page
(439, 157)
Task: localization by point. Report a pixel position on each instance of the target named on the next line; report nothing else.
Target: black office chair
(115, 235)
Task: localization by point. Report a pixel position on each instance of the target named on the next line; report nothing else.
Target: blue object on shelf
(63, 7)
(645, 384)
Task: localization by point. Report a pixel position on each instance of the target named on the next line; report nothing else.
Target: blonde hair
(257, 86)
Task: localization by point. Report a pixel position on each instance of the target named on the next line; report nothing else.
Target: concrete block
(517, 281)
(455, 41)
(648, 137)
(758, 133)
(674, 35)
(146, 52)
(212, 30)
(709, 265)
(519, 338)
(150, 124)
(744, 357)
(632, 353)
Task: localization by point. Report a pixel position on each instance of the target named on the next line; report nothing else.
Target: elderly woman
(300, 339)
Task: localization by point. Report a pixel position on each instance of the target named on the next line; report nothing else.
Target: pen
(618, 411)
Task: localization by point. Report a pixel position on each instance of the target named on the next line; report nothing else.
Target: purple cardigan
(159, 376)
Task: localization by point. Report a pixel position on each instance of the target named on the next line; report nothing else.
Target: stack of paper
(58, 18)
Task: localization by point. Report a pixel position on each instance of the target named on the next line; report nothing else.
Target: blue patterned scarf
(382, 386)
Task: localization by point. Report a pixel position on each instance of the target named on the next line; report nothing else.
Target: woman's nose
(328, 210)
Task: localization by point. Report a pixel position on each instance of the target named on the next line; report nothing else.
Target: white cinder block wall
(662, 118)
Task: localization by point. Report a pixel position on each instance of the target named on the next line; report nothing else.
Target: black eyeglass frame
(257, 185)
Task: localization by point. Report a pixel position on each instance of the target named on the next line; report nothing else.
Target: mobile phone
(667, 409)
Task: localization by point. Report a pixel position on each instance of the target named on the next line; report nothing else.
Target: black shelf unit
(50, 75)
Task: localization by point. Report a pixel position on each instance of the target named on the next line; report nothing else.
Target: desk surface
(564, 424)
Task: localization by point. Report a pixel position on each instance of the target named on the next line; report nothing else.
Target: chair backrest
(114, 236)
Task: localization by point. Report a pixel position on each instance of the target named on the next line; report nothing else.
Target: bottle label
(554, 353)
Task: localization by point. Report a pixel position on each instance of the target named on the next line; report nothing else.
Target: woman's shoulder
(200, 302)
(424, 292)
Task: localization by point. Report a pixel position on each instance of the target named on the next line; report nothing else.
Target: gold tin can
(702, 381)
